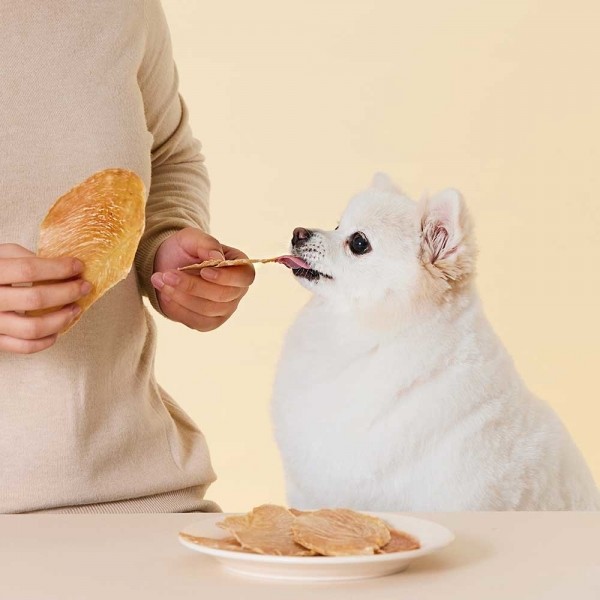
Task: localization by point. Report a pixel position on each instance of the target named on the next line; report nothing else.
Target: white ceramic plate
(431, 536)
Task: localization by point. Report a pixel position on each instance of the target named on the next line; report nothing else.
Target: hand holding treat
(201, 302)
(86, 245)
(28, 282)
(100, 222)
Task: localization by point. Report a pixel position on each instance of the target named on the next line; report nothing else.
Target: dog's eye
(359, 244)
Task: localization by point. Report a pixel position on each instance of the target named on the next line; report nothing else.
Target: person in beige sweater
(84, 426)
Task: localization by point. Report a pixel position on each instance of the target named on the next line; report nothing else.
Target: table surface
(494, 556)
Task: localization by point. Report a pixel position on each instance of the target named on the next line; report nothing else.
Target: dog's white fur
(394, 393)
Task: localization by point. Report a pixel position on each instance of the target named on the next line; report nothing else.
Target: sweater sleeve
(180, 187)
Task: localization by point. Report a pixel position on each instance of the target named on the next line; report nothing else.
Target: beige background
(298, 103)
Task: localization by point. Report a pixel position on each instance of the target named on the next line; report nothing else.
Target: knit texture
(84, 426)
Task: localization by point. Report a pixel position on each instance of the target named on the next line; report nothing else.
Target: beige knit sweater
(84, 427)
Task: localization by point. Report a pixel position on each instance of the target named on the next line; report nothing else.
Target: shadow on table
(465, 550)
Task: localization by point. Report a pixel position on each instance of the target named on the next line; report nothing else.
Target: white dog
(393, 392)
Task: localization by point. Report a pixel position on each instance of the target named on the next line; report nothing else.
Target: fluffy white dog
(393, 392)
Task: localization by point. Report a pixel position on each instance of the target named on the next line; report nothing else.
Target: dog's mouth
(300, 268)
(310, 274)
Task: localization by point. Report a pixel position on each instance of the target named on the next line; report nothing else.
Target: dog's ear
(447, 247)
(383, 182)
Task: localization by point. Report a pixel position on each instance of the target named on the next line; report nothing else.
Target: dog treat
(297, 512)
(235, 522)
(272, 529)
(100, 221)
(292, 262)
(399, 542)
(266, 530)
(229, 543)
(340, 532)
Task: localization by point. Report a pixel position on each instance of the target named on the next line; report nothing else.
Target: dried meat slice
(399, 542)
(297, 512)
(100, 221)
(229, 543)
(293, 262)
(215, 262)
(340, 532)
(266, 530)
(234, 522)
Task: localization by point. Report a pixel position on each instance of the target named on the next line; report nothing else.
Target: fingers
(198, 243)
(241, 276)
(201, 306)
(39, 327)
(192, 319)
(195, 286)
(33, 268)
(232, 253)
(42, 296)
(20, 346)
(19, 265)
(22, 334)
(186, 246)
(206, 302)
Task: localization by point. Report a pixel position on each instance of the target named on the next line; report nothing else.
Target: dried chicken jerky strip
(234, 522)
(399, 542)
(340, 532)
(100, 221)
(229, 543)
(266, 530)
(297, 512)
(293, 262)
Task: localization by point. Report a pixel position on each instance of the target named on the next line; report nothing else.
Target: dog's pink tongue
(293, 262)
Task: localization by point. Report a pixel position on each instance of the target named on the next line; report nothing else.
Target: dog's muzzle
(300, 236)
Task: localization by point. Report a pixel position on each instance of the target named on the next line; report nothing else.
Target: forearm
(178, 198)
(180, 186)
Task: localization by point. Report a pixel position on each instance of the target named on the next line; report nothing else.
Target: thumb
(200, 244)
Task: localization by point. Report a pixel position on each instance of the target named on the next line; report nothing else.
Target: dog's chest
(337, 396)
(350, 410)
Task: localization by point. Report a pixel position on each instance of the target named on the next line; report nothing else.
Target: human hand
(201, 302)
(55, 283)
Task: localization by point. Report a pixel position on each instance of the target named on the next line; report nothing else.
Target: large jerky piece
(100, 221)
(266, 530)
(340, 532)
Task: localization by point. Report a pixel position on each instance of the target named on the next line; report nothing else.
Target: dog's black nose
(300, 236)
